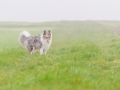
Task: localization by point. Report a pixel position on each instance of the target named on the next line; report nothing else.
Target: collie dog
(32, 43)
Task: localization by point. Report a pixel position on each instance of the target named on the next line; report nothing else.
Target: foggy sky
(56, 10)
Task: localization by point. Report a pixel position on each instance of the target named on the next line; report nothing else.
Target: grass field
(84, 55)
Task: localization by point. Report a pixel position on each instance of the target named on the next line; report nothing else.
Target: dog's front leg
(41, 51)
(44, 51)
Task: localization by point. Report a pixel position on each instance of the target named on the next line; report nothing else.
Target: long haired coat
(32, 43)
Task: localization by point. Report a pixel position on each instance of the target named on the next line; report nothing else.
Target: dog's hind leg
(33, 50)
(29, 48)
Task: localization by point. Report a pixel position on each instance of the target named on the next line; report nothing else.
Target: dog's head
(47, 34)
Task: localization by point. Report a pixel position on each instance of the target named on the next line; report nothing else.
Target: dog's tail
(22, 37)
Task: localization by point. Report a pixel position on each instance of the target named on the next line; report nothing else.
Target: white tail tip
(26, 33)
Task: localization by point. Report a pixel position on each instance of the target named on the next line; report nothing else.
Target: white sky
(55, 10)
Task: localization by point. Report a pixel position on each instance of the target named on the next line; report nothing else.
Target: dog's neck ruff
(47, 41)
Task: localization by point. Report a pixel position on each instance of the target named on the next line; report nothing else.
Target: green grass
(84, 55)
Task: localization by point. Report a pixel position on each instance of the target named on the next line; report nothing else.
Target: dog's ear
(49, 31)
(44, 32)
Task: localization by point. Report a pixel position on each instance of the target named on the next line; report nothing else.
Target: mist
(56, 10)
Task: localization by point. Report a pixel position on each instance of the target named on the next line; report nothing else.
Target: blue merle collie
(32, 43)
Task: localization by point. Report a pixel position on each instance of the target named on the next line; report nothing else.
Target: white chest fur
(46, 43)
